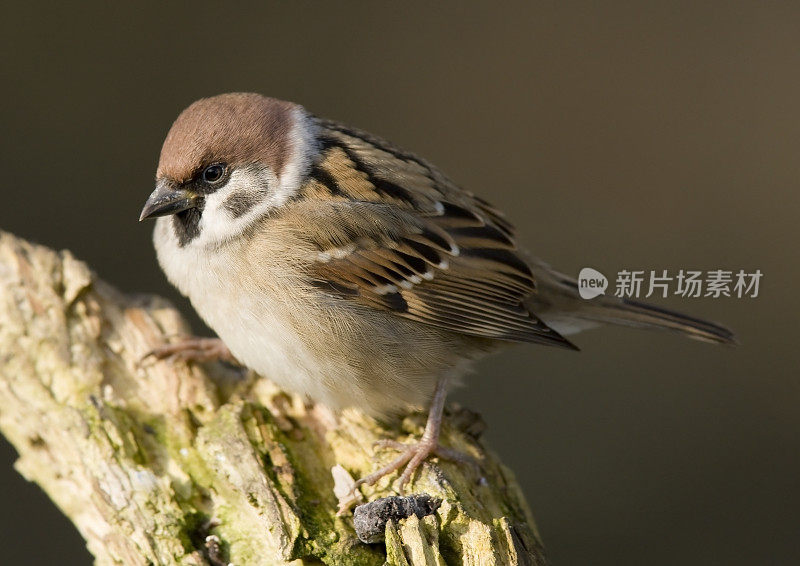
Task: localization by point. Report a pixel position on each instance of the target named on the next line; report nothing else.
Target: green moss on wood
(149, 459)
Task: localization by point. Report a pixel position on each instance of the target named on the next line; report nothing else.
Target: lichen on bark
(168, 463)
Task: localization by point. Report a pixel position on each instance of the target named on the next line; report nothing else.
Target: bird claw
(192, 349)
(411, 456)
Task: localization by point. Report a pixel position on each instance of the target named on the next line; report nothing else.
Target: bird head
(227, 161)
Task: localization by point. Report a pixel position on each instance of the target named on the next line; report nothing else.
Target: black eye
(213, 173)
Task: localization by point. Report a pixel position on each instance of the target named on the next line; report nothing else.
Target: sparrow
(352, 271)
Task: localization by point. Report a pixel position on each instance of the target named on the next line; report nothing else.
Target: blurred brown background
(616, 135)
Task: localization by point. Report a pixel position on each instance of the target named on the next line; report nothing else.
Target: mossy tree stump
(168, 463)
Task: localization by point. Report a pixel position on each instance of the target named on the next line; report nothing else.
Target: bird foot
(412, 456)
(193, 349)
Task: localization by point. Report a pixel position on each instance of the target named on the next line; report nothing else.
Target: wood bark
(159, 462)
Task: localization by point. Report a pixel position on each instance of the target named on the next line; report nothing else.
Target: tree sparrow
(349, 270)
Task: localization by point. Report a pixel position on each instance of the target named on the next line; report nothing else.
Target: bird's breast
(307, 341)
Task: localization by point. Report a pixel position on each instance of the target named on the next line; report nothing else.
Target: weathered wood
(167, 463)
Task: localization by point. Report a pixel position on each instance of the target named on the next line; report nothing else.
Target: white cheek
(219, 223)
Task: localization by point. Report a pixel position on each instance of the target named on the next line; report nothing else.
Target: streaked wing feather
(416, 245)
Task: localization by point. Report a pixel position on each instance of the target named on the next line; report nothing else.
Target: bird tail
(628, 312)
(559, 304)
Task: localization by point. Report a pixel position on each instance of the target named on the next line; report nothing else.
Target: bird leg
(193, 349)
(412, 455)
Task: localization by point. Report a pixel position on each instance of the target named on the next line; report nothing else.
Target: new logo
(591, 283)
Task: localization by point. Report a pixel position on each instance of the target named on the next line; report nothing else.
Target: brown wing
(405, 239)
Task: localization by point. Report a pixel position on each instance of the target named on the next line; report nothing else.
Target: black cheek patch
(240, 203)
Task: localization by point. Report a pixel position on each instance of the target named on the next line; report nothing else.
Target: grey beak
(167, 200)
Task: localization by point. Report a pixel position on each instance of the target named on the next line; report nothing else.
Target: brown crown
(235, 128)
